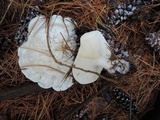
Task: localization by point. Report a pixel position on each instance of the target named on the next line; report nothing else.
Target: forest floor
(21, 99)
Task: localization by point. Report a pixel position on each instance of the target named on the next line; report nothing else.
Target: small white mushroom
(35, 59)
(93, 55)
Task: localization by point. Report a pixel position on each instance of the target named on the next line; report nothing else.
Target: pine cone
(82, 114)
(22, 32)
(125, 9)
(154, 41)
(125, 101)
(119, 49)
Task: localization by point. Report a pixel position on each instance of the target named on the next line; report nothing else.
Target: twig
(39, 65)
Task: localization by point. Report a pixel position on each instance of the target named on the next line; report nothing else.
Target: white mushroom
(93, 55)
(35, 59)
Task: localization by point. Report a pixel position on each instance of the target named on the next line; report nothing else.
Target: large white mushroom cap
(34, 57)
(93, 55)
